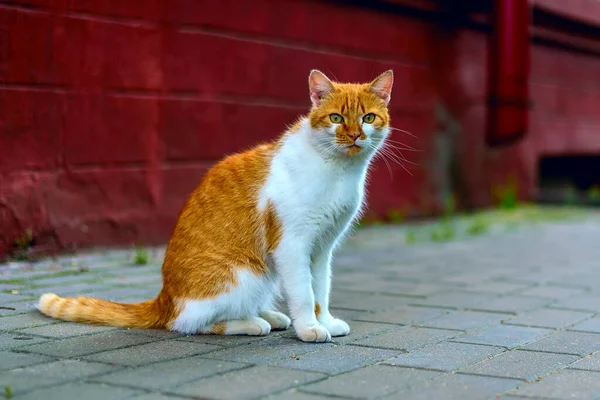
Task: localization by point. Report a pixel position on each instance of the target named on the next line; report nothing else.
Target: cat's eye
(369, 118)
(336, 118)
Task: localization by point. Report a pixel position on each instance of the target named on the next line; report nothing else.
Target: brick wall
(111, 111)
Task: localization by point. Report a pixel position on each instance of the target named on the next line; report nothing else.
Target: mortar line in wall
(131, 166)
(113, 167)
(204, 97)
(109, 19)
(299, 45)
(236, 99)
(37, 87)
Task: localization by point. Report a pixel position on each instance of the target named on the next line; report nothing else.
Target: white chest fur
(316, 198)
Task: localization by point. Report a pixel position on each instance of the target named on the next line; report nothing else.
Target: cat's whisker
(399, 154)
(396, 143)
(379, 155)
(402, 148)
(387, 154)
(403, 131)
(400, 163)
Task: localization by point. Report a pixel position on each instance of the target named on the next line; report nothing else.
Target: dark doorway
(569, 179)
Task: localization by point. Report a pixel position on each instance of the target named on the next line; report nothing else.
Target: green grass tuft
(140, 255)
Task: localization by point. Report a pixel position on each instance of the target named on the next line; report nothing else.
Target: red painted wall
(111, 111)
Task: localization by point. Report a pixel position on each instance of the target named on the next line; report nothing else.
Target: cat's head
(349, 119)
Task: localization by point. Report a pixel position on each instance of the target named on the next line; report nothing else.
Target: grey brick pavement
(508, 315)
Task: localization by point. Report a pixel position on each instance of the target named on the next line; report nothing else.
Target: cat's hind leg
(254, 326)
(277, 320)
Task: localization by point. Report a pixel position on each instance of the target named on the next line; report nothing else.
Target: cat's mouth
(353, 149)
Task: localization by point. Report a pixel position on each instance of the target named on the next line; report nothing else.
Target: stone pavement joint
(504, 315)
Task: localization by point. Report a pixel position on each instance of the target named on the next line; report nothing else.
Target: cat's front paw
(313, 333)
(278, 321)
(258, 327)
(336, 327)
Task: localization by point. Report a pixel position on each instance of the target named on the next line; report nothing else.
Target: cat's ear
(319, 86)
(382, 85)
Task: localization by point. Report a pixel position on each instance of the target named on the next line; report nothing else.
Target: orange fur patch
(317, 310)
(219, 328)
(220, 229)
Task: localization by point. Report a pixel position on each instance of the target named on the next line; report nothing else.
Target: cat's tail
(153, 314)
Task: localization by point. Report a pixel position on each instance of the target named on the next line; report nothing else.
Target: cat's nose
(354, 135)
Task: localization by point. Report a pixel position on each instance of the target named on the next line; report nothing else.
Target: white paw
(336, 327)
(258, 327)
(277, 320)
(313, 333)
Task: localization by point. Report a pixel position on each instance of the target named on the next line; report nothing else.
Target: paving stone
(498, 287)
(445, 356)
(471, 278)
(66, 290)
(61, 280)
(403, 315)
(407, 338)
(581, 343)
(337, 359)
(508, 336)
(513, 304)
(464, 320)
(9, 286)
(7, 298)
(551, 292)
(66, 330)
(21, 321)
(380, 284)
(12, 360)
(15, 340)
(74, 391)
(342, 313)
(361, 302)
(382, 380)
(591, 362)
(361, 329)
(563, 384)
(268, 350)
(584, 303)
(169, 374)
(16, 308)
(591, 325)
(151, 352)
(25, 379)
(242, 384)
(294, 394)
(134, 279)
(84, 345)
(457, 299)
(156, 396)
(527, 365)
(458, 387)
(226, 341)
(548, 318)
(160, 333)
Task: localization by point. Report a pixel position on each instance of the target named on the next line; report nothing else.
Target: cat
(260, 221)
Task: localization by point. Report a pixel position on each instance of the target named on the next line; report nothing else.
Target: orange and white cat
(267, 218)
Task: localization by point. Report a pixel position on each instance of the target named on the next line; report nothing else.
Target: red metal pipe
(509, 104)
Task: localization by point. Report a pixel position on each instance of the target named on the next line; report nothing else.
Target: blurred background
(111, 111)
